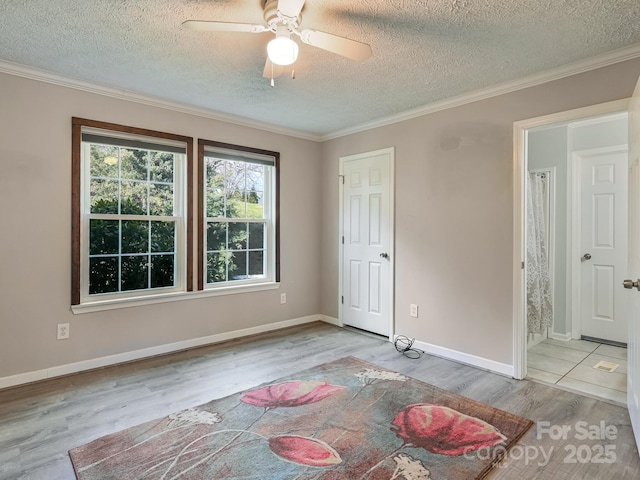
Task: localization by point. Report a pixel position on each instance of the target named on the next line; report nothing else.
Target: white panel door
(367, 262)
(603, 236)
(633, 317)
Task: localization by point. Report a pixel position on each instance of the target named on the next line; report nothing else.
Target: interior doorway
(576, 229)
(574, 151)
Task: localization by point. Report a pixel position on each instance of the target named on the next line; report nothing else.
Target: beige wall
(454, 210)
(453, 222)
(35, 242)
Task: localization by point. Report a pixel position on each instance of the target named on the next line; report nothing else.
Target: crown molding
(610, 58)
(63, 81)
(615, 56)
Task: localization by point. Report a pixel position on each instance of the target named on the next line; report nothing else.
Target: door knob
(586, 256)
(384, 255)
(631, 284)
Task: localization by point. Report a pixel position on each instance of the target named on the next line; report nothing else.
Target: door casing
(633, 342)
(520, 130)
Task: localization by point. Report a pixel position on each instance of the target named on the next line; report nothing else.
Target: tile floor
(570, 364)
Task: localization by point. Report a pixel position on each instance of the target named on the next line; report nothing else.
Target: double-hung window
(130, 212)
(132, 216)
(239, 231)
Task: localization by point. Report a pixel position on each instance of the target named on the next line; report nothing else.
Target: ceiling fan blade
(333, 43)
(208, 26)
(269, 73)
(290, 8)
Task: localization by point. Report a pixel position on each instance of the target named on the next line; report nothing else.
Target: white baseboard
(331, 320)
(467, 359)
(93, 363)
(563, 337)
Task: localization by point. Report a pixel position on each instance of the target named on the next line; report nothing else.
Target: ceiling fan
(283, 18)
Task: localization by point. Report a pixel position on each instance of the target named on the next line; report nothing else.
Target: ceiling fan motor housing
(274, 18)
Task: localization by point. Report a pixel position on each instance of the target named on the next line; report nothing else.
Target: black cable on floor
(404, 346)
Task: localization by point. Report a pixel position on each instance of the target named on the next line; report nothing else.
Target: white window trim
(139, 301)
(180, 203)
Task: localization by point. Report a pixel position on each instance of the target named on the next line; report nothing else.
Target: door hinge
(341, 178)
(343, 239)
(522, 265)
(342, 300)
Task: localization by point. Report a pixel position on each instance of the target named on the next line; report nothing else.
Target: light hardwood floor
(39, 423)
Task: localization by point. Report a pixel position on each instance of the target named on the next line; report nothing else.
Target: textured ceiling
(424, 51)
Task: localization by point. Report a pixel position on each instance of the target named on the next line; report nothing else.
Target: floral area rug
(346, 419)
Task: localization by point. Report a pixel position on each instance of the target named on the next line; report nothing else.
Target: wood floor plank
(39, 423)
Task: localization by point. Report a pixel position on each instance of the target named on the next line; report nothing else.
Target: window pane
(161, 199)
(255, 177)
(215, 204)
(135, 236)
(255, 204)
(163, 236)
(256, 235)
(133, 198)
(135, 274)
(104, 161)
(238, 265)
(237, 235)
(235, 178)
(104, 196)
(216, 236)
(103, 275)
(256, 264)
(215, 174)
(161, 166)
(235, 204)
(216, 267)
(162, 267)
(214, 183)
(103, 236)
(133, 164)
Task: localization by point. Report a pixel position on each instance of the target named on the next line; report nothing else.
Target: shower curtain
(539, 307)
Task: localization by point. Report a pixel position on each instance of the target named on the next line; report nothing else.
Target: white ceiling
(424, 51)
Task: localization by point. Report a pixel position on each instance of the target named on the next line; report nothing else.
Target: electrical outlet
(63, 331)
(413, 310)
(283, 298)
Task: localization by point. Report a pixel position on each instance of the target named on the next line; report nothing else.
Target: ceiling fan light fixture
(282, 50)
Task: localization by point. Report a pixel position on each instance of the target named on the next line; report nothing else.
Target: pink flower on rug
(443, 430)
(290, 394)
(303, 450)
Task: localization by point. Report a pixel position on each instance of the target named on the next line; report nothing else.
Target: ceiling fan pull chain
(273, 84)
